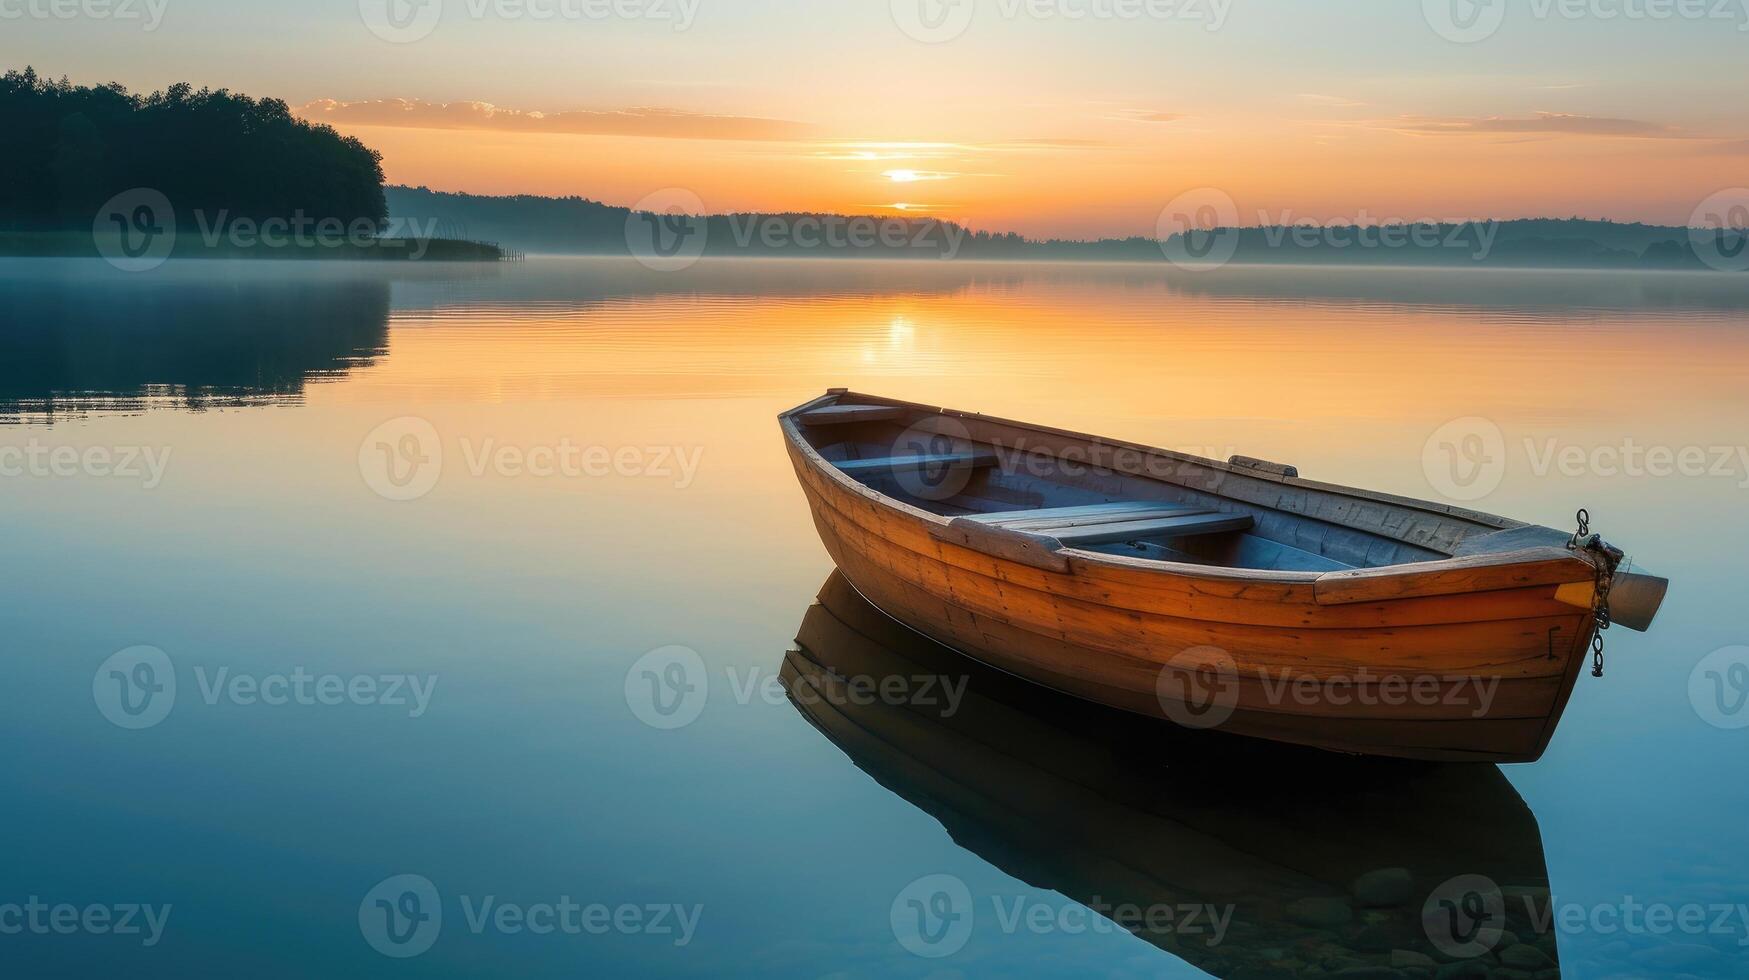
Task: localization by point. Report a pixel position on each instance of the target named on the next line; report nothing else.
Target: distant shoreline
(1158, 264)
(672, 236)
(1161, 265)
(73, 244)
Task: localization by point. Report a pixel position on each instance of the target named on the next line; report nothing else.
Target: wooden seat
(900, 464)
(1054, 517)
(1119, 520)
(1163, 527)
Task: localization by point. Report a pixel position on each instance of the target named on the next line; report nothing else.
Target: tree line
(577, 225)
(70, 149)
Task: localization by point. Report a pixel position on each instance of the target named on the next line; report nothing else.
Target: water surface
(264, 544)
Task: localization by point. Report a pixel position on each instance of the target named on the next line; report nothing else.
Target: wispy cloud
(889, 152)
(1543, 123)
(872, 151)
(908, 207)
(645, 121)
(915, 176)
(1147, 115)
(1047, 143)
(1332, 101)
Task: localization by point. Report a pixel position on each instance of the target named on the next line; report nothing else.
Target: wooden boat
(1215, 594)
(1112, 810)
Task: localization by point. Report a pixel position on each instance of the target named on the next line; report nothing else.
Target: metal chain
(1584, 529)
(1604, 561)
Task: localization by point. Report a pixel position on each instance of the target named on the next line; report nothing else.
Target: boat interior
(1071, 491)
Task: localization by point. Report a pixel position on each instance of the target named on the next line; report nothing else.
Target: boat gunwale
(793, 432)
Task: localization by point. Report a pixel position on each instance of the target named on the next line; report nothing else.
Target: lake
(332, 590)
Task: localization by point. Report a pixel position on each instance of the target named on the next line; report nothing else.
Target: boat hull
(1466, 676)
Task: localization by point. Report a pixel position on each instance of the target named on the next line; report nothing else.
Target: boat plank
(1004, 544)
(1532, 566)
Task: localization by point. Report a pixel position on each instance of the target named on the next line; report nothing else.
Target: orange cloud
(642, 121)
(1047, 144)
(1148, 115)
(1333, 101)
(1545, 123)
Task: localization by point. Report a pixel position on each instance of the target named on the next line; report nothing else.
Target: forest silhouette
(580, 226)
(69, 149)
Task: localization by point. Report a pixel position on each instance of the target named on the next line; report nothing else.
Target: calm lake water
(401, 539)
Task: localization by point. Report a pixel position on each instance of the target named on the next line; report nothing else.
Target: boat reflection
(1326, 863)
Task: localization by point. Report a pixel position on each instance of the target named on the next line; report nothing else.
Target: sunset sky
(1026, 118)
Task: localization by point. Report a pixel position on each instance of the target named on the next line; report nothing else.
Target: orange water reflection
(1343, 372)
